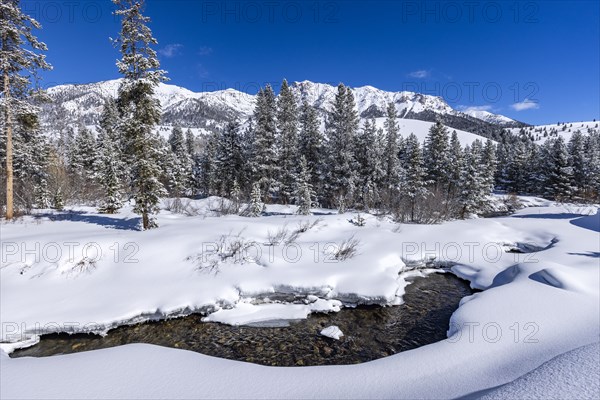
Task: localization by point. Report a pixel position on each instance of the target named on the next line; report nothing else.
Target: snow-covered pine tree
(455, 164)
(287, 141)
(207, 173)
(256, 205)
(229, 160)
(109, 162)
(414, 185)
(435, 155)
(139, 111)
(391, 161)
(592, 150)
(578, 160)
(560, 173)
(368, 154)
(473, 185)
(180, 163)
(83, 155)
(342, 128)
(190, 143)
(310, 142)
(304, 193)
(489, 165)
(516, 168)
(20, 58)
(264, 150)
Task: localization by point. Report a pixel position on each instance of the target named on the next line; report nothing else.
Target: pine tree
(256, 205)
(179, 167)
(305, 196)
(264, 151)
(560, 173)
(310, 143)
(83, 154)
(229, 159)
(20, 58)
(578, 160)
(435, 154)
(455, 164)
(207, 172)
(139, 111)
(342, 129)
(287, 124)
(190, 143)
(109, 162)
(489, 164)
(391, 161)
(414, 185)
(368, 154)
(592, 151)
(473, 185)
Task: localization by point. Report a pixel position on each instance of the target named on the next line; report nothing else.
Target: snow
(571, 127)
(534, 306)
(333, 332)
(573, 375)
(488, 116)
(245, 313)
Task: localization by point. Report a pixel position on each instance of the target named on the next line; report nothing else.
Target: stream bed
(370, 332)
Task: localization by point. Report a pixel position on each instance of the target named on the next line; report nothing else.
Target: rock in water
(332, 332)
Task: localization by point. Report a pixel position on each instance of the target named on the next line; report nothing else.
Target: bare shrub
(227, 249)
(347, 249)
(181, 206)
(222, 206)
(278, 237)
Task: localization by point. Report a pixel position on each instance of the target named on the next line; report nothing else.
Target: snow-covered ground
(81, 271)
(541, 133)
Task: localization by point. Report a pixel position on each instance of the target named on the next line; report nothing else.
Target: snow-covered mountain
(490, 117)
(206, 111)
(541, 133)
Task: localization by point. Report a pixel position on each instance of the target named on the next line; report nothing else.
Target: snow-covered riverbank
(535, 306)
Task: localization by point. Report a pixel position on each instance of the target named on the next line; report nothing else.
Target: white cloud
(420, 74)
(525, 105)
(475, 108)
(205, 51)
(170, 50)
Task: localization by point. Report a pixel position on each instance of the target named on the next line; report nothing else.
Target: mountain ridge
(209, 110)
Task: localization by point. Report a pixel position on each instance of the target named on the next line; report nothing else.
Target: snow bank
(536, 306)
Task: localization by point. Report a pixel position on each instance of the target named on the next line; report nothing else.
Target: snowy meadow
(537, 270)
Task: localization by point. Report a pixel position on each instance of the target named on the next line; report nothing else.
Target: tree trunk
(9, 148)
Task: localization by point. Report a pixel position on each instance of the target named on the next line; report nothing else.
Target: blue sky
(535, 61)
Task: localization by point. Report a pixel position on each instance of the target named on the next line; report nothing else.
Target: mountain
(207, 111)
(490, 117)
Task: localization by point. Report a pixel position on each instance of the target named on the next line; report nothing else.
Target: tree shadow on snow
(548, 216)
(593, 254)
(591, 222)
(130, 224)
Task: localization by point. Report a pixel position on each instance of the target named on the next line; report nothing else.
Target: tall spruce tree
(20, 59)
(179, 166)
(305, 195)
(229, 160)
(414, 185)
(435, 155)
(391, 161)
(341, 129)
(264, 160)
(473, 185)
(310, 142)
(287, 144)
(560, 173)
(140, 112)
(109, 161)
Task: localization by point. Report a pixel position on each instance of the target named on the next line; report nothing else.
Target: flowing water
(370, 332)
